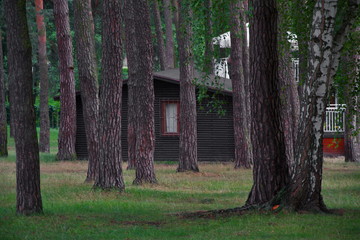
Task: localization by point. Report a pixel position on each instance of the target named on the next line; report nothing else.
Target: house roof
(211, 81)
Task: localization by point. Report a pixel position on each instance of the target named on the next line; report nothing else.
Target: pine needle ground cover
(72, 210)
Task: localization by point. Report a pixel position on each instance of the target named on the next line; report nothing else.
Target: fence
(335, 118)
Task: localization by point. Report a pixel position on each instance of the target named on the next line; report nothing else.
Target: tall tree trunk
(159, 34)
(352, 120)
(290, 109)
(306, 185)
(129, 18)
(175, 8)
(169, 46)
(109, 170)
(131, 137)
(302, 10)
(241, 130)
(188, 129)
(67, 130)
(324, 55)
(3, 115)
(175, 11)
(246, 67)
(44, 145)
(352, 143)
(84, 35)
(209, 47)
(140, 66)
(28, 195)
(270, 171)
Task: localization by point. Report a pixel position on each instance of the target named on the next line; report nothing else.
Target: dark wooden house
(215, 133)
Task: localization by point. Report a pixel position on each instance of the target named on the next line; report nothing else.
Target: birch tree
(324, 52)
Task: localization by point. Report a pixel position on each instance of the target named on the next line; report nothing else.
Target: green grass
(72, 210)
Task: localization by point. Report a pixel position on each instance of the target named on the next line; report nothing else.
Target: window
(170, 111)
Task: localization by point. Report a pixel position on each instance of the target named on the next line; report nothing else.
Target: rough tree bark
(67, 130)
(3, 119)
(140, 66)
(209, 47)
(175, 8)
(28, 195)
(159, 34)
(175, 12)
(110, 171)
(352, 143)
(324, 53)
(352, 121)
(84, 35)
(246, 67)
(270, 171)
(169, 46)
(290, 109)
(188, 125)
(131, 137)
(44, 144)
(130, 54)
(241, 130)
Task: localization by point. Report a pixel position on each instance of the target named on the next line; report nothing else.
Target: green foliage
(347, 78)
(210, 100)
(125, 73)
(54, 112)
(299, 13)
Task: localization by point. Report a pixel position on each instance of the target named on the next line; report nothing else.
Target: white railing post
(335, 118)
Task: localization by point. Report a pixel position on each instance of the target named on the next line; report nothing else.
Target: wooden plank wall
(80, 142)
(215, 133)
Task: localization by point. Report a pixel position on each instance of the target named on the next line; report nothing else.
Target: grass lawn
(72, 210)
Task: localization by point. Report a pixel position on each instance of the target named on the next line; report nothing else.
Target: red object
(333, 146)
(275, 207)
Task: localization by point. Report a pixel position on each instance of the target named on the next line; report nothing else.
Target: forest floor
(72, 210)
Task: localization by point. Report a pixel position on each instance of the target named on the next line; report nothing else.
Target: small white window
(170, 117)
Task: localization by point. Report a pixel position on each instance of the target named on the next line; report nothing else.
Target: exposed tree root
(220, 212)
(277, 204)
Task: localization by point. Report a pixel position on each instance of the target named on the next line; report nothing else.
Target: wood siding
(80, 142)
(215, 133)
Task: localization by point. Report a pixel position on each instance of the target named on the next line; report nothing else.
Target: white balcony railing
(295, 68)
(335, 113)
(335, 118)
(221, 68)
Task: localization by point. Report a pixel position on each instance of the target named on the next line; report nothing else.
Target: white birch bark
(308, 154)
(324, 51)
